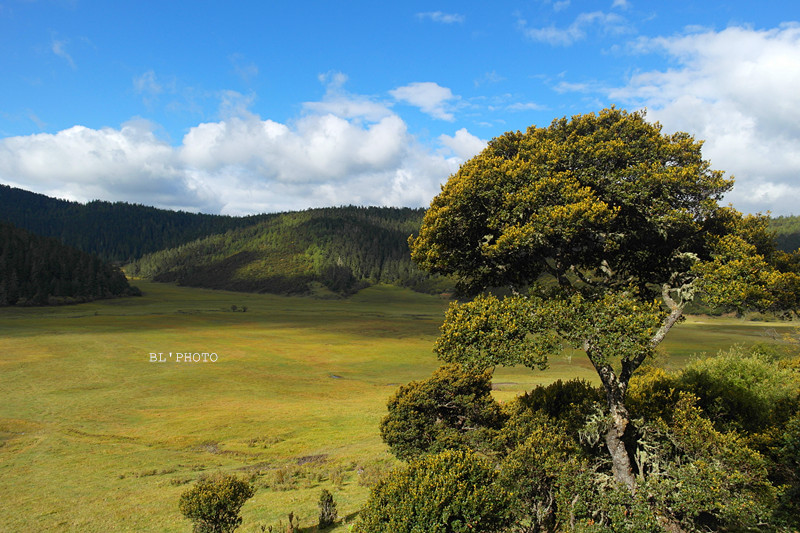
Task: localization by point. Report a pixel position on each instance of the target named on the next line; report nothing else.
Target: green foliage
(750, 402)
(705, 478)
(327, 509)
(213, 503)
(690, 476)
(742, 389)
(601, 216)
(453, 409)
(787, 472)
(695, 470)
(606, 194)
(567, 402)
(526, 330)
(488, 331)
(37, 270)
(739, 389)
(342, 249)
(450, 492)
(740, 278)
(536, 472)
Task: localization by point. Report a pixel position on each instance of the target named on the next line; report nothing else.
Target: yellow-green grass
(96, 437)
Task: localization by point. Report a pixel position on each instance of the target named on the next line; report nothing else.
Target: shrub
(450, 492)
(453, 409)
(704, 478)
(788, 473)
(567, 402)
(327, 509)
(742, 389)
(370, 473)
(336, 475)
(536, 472)
(213, 503)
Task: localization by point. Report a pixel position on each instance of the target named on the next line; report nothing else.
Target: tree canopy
(612, 227)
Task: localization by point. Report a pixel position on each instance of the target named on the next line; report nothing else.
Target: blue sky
(244, 107)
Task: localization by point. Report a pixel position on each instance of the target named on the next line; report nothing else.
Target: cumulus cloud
(463, 144)
(430, 97)
(322, 159)
(737, 89)
(577, 30)
(80, 163)
(338, 151)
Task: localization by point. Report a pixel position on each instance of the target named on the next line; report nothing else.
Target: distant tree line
(119, 231)
(37, 270)
(342, 248)
(787, 232)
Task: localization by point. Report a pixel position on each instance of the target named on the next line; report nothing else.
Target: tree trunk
(620, 460)
(619, 419)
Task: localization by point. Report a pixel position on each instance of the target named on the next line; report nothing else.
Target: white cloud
(322, 159)
(318, 149)
(59, 48)
(570, 87)
(430, 97)
(444, 18)
(463, 144)
(525, 106)
(147, 84)
(343, 104)
(577, 31)
(83, 164)
(337, 152)
(738, 90)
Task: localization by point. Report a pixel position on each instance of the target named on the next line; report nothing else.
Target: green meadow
(96, 436)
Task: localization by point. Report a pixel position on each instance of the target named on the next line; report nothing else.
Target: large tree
(600, 229)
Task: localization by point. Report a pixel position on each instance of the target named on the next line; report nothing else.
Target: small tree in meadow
(213, 503)
(327, 509)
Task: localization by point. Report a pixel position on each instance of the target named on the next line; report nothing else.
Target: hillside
(787, 232)
(113, 231)
(38, 270)
(341, 249)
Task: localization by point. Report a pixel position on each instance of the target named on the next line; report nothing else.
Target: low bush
(213, 503)
(449, 492)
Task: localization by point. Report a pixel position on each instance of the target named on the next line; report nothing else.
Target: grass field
(96, 437)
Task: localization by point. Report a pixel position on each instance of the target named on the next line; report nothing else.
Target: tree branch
(676, 311)
(583, 278)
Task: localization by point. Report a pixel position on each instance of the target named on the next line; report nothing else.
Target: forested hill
(113, 231)
(339, 249)
(37, 270)
(787, 232)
